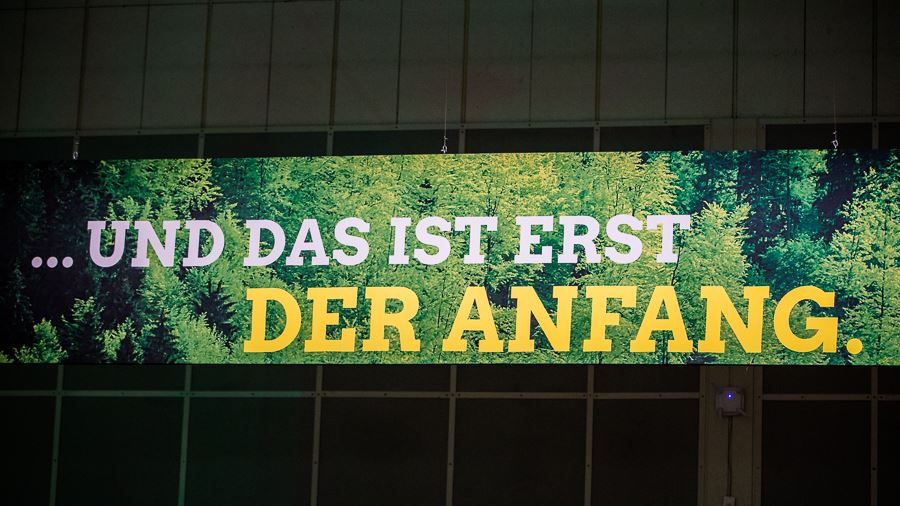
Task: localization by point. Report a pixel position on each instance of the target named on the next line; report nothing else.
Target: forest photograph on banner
(731, 257)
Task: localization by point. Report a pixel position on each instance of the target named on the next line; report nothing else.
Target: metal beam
(317, 433)
(756, 479)
(817, 397)
(57, 425)
(873, 440)
(589, 437)
(702, 438)
(451, 436)
(185, 429)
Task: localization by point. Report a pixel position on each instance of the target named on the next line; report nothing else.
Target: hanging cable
(834, 141)
(444, 148)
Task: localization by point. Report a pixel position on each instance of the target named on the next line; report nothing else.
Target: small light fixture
(730, 401)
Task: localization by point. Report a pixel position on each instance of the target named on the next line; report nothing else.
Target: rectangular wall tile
(499, 61)
(770, 58)
(564, 60)
(368, 52)
(633, 59)
(12, 36)
(431, 60)
(173, 87)
(50, 76)
(700, 59)
(839, 58)
(238, 65)
(888, 57)
(301, 63)
(114, 66)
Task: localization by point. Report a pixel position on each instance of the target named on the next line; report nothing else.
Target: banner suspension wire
(834, 141)
(444, 148)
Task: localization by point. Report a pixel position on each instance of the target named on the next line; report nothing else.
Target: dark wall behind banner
(156, 65)
(518, 435)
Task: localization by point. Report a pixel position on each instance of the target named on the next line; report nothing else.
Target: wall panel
(564, 60)
(383, 451)
(368, 49)
(119, 451)
(430, 60)
(114, 68)
(528, 61)
(42, 4)
(249, 451)
(504, 443)
(238, 64)
(628, 441)
(300, 90)
(173, 87)
(839, 58)
(700, 59)
(120, 3)
(633, 59)
(808, 447)
(499, 61)
(50, 76)
(26, 479)
(888, 64)
(770, 58)
(12, 30)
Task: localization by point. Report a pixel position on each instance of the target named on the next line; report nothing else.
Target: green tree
(712, 256)
(81, 332)
(793, 263)
(119, 344)
(46, 348)
(780, 188)
(864, 269)
(15, 300)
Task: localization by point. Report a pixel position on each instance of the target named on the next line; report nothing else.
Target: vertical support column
(715, 478)
(746, 134)
(714, 438)
(701, 439)
(598, 51)
(201, 144)
(399, 69)
(79, 109)
(269, 70)
(57, 424)
(21, 70)
(589, 437)
(720, 134)
(204, 99)
(464, 80)
(144, 67)
(757, 434)
(873, 440)
(335, 46)
(185, 426)
(317, 431)
(451, 435)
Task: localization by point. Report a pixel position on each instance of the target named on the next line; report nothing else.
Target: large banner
(766, 257)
